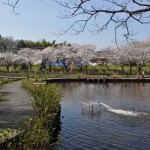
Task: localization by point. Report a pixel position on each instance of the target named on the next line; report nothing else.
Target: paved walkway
(16, 106)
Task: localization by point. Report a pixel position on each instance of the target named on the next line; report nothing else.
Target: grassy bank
(36, 72)
(38, 132)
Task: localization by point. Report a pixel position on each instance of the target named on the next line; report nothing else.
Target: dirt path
(16, 106)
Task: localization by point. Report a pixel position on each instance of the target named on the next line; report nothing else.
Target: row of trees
(63, 56)
(137, 53)
(67, 56)
(9, 44)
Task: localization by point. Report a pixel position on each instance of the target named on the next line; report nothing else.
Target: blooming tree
(7, 59)
(28, 56)
(107, 54)
(66, 55)
(84, 54)
(141, 53)
(48, 56)
(119, 58)
(134, 53)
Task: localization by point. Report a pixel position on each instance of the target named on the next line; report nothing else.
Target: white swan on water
(117, 111)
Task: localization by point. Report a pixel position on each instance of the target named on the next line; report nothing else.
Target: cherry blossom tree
(134, 53)
(84, 54)
(48, 56)
(66, 55)
(107, 54)
(61, 56)
(119, 58)
(7, 59)
(141, 53)
(128, 53)
(28, 56)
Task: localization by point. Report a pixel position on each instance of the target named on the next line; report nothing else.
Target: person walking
(143, 73)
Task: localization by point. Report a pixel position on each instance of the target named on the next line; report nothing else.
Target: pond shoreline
(101, 80)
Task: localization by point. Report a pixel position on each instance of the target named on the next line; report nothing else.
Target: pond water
(122, 123)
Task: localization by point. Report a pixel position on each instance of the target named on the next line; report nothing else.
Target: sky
(38, 19)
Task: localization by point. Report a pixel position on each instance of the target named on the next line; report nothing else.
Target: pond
(121, 123)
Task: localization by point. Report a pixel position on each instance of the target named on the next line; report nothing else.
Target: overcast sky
(38, 20)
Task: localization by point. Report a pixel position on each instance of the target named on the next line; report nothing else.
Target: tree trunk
(30, 66)
(86, 67)
(50, 68)
(81, 69)
(107, 67)
(122, 67)
(7, 67)
(131, 68)
(139, 68)
(66, 68)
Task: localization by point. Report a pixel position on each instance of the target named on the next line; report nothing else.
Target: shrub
(46, 103)
(24, 67)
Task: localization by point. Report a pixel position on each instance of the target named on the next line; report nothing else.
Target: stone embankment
(101, 80)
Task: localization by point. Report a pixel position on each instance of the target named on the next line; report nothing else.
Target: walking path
(16, 106)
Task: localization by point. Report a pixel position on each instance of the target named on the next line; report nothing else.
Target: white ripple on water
(124, 112)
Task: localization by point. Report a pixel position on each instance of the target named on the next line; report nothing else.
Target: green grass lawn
(60, 71)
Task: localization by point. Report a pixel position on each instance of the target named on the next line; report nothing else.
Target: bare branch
(83, 13)
(13, 4)
(140, 4)
(117, 12)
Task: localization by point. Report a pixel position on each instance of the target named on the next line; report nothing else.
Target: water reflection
(109, 130)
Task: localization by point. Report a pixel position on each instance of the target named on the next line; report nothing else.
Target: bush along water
(46, 104)
(39, 131)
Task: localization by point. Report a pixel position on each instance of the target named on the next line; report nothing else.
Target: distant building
(98, 61)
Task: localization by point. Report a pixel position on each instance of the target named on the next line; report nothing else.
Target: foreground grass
(2, 82)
